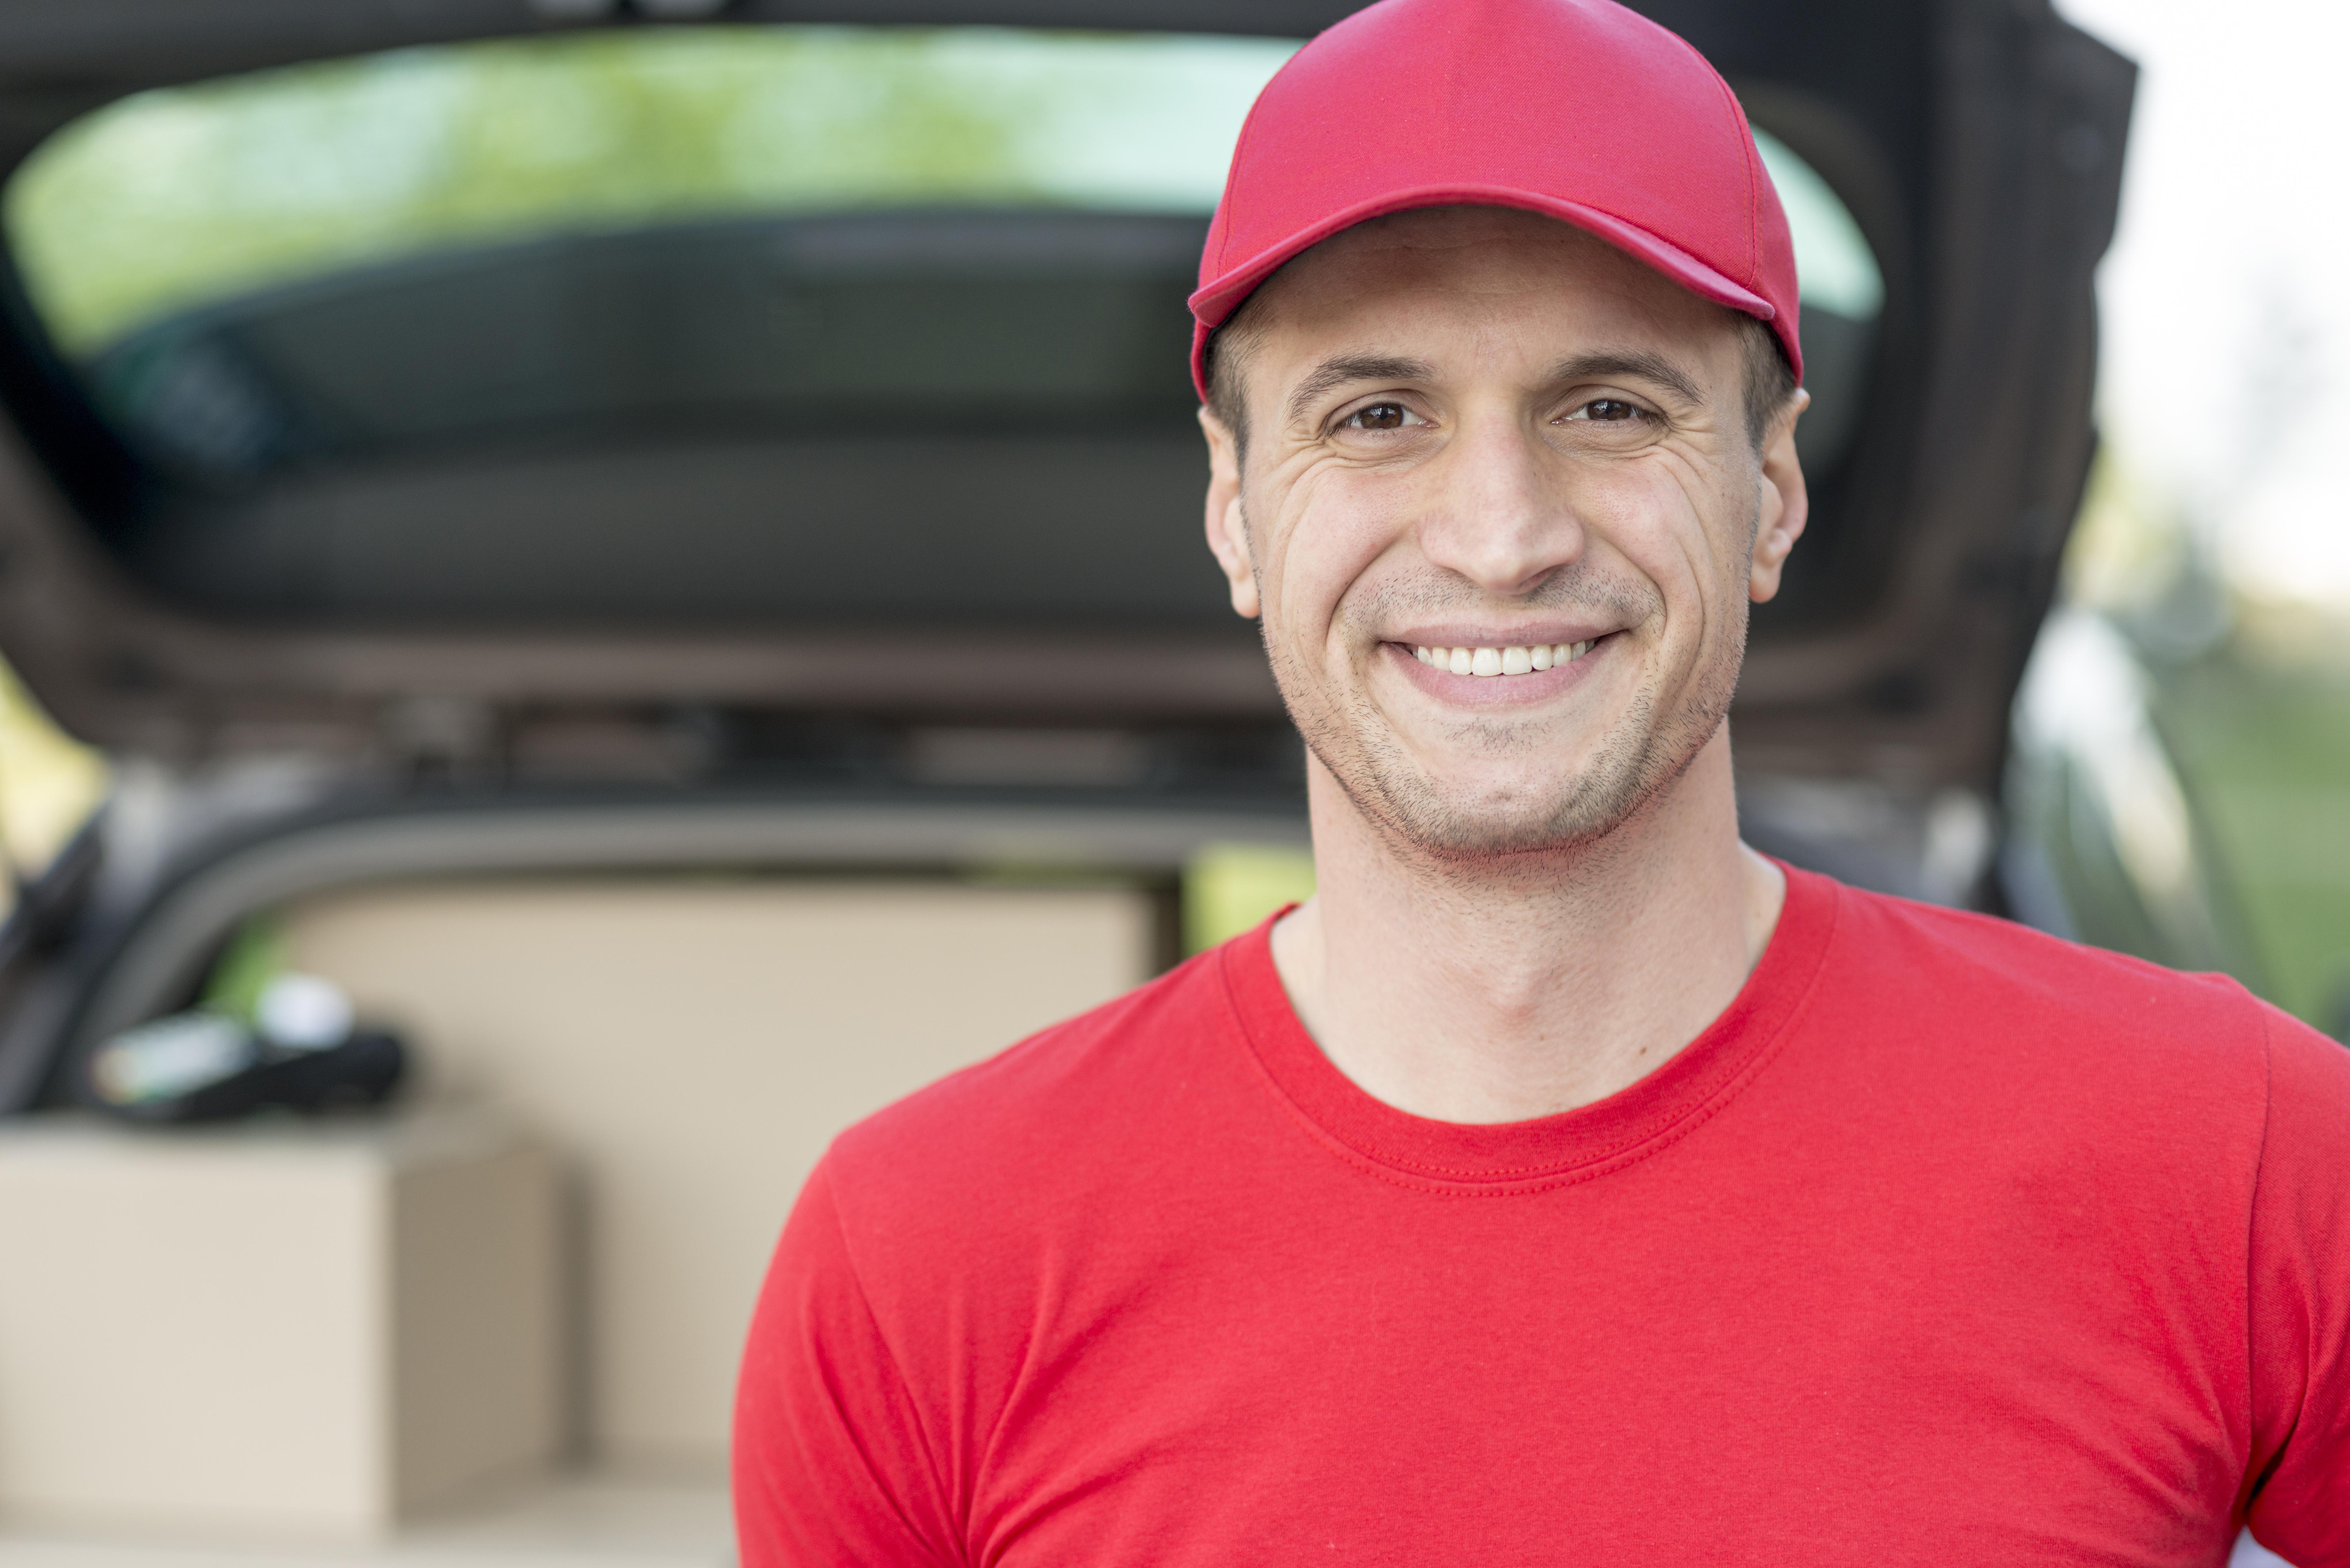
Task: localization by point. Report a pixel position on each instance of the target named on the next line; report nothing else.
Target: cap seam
(1745, 151)
(1753, 190)
(1231, 176)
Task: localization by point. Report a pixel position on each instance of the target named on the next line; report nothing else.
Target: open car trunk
(712, 650)
(733, 455)
(725, 476)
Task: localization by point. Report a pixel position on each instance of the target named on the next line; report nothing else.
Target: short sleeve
(2299, 1300)
(830, 1465)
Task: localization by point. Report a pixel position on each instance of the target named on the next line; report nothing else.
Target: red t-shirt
(1948, 1243)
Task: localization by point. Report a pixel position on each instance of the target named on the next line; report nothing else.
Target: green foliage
(254, 957)
(1228, 889)
(2268, 753)
(177, 197)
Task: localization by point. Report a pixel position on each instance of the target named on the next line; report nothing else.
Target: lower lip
(1495, 691)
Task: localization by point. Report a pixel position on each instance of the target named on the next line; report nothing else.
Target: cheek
(1676, 527)
(1731, 540)
(1640, 522)
(1334, 527)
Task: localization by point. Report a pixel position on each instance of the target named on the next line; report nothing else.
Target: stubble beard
(1634, 765)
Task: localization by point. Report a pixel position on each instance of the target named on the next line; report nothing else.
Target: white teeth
(1518, 661)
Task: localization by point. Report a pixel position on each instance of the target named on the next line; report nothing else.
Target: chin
(1480, 829)
(1531, 792)
(1475, 819)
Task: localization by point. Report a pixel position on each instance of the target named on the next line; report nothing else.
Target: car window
(737, 324)
(175, 198)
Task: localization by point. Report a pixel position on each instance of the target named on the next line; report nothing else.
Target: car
(657, 544)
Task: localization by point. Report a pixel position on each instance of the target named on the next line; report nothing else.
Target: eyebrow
(1640, 364)
(1341, 370)
(1338, 370)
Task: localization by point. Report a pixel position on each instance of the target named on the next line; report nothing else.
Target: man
(1564, 1182)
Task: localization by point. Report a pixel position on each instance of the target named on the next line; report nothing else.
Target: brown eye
(1381, 417)
(1609, 410)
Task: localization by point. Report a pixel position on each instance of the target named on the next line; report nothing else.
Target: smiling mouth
(1503, 661)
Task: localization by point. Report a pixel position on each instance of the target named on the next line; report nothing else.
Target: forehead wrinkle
(1341, 368)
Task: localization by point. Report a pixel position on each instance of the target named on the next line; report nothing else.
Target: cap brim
(1213, 304)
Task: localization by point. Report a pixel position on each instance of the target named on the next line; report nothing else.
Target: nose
(1497, 514)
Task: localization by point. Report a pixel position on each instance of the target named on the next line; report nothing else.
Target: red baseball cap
(1579, 109)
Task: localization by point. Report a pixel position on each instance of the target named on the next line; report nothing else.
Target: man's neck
(1495, 996)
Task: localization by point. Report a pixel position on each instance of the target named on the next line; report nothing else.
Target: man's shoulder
(2004, 959)
(2047, 1007)
(1057, 1109)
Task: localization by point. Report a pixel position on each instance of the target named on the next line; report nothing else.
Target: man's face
(1477, 429)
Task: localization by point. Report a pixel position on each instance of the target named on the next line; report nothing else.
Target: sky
(2225, 365)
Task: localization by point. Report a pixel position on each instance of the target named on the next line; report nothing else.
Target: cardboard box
(688, 1046)
(276, 1329)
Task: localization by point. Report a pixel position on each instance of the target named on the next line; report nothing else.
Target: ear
(1786, 505)
(1227, 529)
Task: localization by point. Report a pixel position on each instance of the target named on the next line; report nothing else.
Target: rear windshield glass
(744, 323)
(176, 199)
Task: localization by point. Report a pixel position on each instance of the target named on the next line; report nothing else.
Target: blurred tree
(176, 197)
(49, 782)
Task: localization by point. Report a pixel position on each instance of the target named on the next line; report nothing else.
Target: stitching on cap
(1746, 151)
(1753, 194)
(1233, 179)
(1753, 190)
